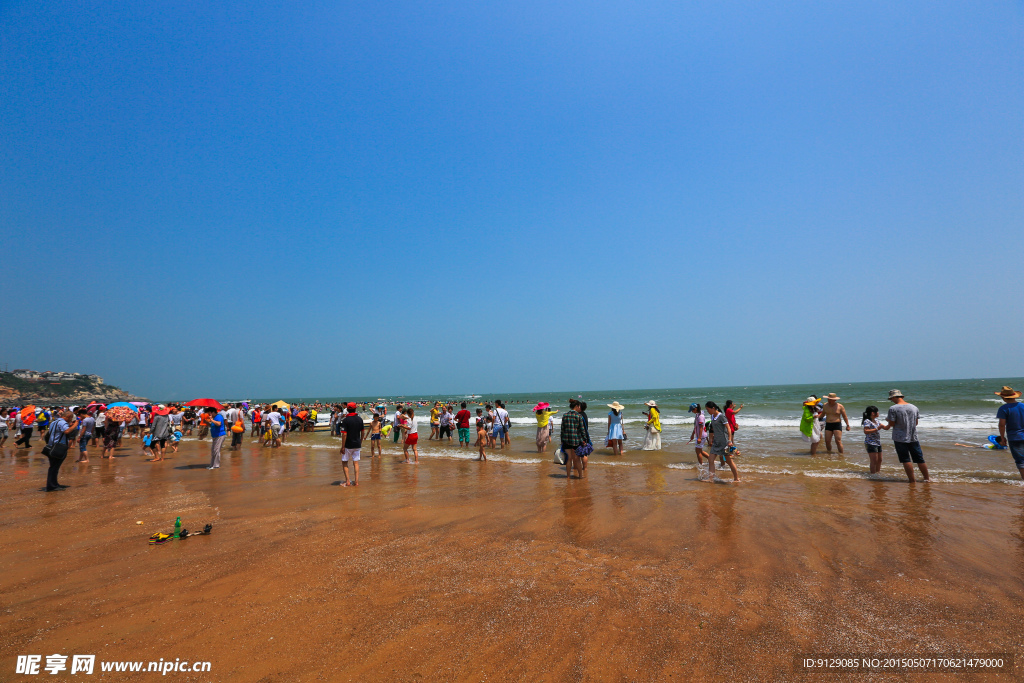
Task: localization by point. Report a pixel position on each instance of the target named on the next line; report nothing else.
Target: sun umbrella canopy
(121, 413)
(280, 404)
(205, 403)
(28, 414)
(122, 404)
(96, 406)
(140, 403)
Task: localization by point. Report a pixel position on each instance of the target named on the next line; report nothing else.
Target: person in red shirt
(257, 421)
(730, 414)
(462, 422)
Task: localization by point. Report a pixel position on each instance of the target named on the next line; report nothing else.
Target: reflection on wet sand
(456, 569)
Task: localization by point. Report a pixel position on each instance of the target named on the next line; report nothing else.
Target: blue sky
(315, 198)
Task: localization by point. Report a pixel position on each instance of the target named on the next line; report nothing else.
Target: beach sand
(461, 570)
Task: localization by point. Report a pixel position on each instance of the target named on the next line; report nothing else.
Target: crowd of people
(159, 429)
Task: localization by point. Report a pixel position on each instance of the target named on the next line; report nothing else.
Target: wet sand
(460, 570)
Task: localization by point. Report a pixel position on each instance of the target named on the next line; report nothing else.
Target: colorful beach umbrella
(205, 403)
(92, 407)
(140, 403)
(122, 413)
(123, 404)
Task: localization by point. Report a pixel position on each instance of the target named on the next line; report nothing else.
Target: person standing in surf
(573, 435)
(810, 426)
(412, 436)
(1011, 426)
(543, 413)
(835, 415)
(652, 439)
(615, 433)
(902, 418)
(873, 438)
(722, 440)
(700, 436)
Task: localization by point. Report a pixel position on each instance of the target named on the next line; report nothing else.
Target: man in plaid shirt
(573, 434)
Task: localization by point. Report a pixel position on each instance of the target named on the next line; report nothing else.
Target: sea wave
(951, 421)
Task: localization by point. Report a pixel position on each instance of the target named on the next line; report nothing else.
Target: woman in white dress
(652, 441)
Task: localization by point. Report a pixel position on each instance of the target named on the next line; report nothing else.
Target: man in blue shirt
(1011, 425)
(217, 433)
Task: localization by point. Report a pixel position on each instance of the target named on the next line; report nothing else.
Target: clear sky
(375, 198)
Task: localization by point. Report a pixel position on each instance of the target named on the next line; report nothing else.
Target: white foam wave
(927, 422)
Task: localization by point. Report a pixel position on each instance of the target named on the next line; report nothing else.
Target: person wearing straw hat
(543, 412)
(835, 414)
(810, 427)
(652, 440)
(1011, 426)
(902, 418)
(615, 433)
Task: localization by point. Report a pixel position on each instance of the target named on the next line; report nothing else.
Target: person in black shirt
(353, 427)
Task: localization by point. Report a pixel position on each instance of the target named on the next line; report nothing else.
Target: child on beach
(175, 438)
(411, 437)
(872, 438)
(481, 434)
(482, 431)
(147, 443)
(375, 435)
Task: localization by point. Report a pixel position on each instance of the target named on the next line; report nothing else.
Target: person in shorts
(411, 436)
(4, 428)
(375, 435)
(700, 436)
(435, 421)
(462, 419)
(902, 419)
(353, 427)
(835, 415)
(873, 438)
(87, 425)
(722, 434)
(396, 432)
(1011, 426)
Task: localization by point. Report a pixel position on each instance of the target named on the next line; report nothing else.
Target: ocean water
(957, 416)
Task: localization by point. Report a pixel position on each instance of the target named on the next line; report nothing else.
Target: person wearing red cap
(353, 428)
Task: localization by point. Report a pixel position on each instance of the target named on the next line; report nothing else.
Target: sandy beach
(461, 570)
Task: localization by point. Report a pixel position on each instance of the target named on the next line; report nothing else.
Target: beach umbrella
(123, 404)
(93, 407)
(28, 414)
(205, 403)
(280, 404)
(120, 413)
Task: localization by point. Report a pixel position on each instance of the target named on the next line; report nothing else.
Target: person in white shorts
(353, 427)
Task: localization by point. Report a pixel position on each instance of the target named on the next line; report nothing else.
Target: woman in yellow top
(435, 421)
(652, 441)
(543, 412)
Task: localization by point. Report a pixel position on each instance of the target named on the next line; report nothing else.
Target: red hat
(351, 406)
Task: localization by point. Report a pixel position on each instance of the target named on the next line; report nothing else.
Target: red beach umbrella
(93, 407)
(205, 403)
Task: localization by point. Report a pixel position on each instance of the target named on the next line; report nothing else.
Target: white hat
(651, 404)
